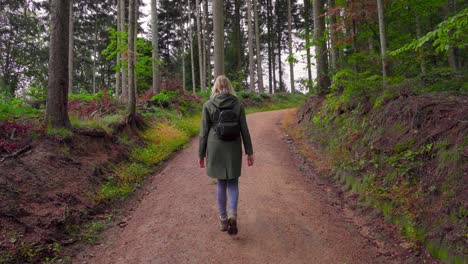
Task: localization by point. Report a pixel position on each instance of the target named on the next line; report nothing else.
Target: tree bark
(201, 67)
(117, 74)
(261, 89)
(270, 79)
(237, 37)
(383, 38)
(124, 56)
(95, 52)
(323, 81)
(218, 28)
(192, 61)
(250, 43)
(70, 49)
(154, 40)
(452, 59)
(307, 39)
(291, 62)
(280, 70)
(419, 35)
(207, 46)
(56, 114)
(332, 25)
(131, 58)
(182, 43)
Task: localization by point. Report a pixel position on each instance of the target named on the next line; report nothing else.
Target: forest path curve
(282, 217)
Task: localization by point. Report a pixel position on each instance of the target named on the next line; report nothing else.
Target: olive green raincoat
(224, 158)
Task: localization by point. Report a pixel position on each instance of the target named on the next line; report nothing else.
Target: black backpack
(226, 123)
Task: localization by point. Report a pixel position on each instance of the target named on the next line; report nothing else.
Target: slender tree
(207, 45)
(270, 79)
(331, 29)
(323, 81)
(95, 55)
(118, 74)
(383, 38)
(259, 53)
(307, 8)
(154, 40)
(291, 55)
(201, 67)
(192, 62)
(419, 35)
(70, 49)
(237, 41)
(56, 114)
(131, 59)
(251, 50)
(218, 28)
(124, 55)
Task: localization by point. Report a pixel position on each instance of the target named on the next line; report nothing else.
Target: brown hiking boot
(232, 224)
(223, 224)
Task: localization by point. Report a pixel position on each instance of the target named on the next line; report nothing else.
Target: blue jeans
(232, 187)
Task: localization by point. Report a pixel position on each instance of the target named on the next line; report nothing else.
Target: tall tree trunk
(452, 59)
(95, 52)
(201, 67)
(331, 28)
(261, 89)
(70, 49)
(280, 70)
(251, 50)
(154, 40)
(383, 37)
(307, 8)
(135, 48)
(291, 62)
(117, 73)
(207, 46)
(182, 43)
(270, 79)
(237, 43)
(218, 28)
(192, 61)
(323, 81)
(56, 114)
(419, 35)
(131, 58)
(124, 56)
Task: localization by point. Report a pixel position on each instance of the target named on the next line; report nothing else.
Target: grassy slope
(404, 156)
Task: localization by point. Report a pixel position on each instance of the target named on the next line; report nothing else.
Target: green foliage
(13, 108)
(164, 98)
(449, 33)
(59, 133)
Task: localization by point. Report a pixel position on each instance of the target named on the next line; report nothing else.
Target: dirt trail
(282, 218)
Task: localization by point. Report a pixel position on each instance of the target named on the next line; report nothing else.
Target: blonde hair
(222, 85)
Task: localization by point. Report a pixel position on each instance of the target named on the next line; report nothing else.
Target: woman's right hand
(250, 160)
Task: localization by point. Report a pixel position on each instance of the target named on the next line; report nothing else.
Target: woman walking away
(223, 128)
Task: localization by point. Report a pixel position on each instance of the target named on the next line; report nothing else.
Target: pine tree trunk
(154, 40)
(383, 37)
(56, 114)
(332, 25)
(261, 89)
(218, 28)
(117, 74)
(452, 59)
(323, 81)
(70, 49)
(201, 67)
(237, 43)
(131, 58)
(95, 53)
(182, 43)
(124, 57)
(192, 61)
(135, 48)
(419, 35)
(291, 63)
(280, 70)
(270, 79)
(207, 46)
(307, 39)
(251, 50)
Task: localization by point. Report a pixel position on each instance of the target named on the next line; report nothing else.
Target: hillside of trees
(110, 89)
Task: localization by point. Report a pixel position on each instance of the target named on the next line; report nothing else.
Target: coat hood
(225, 101)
